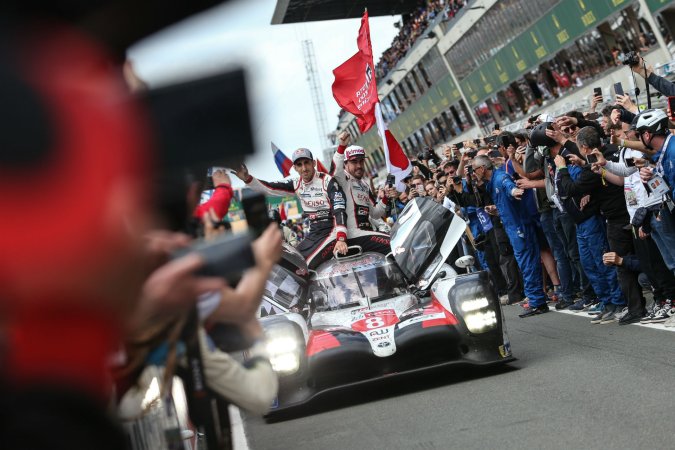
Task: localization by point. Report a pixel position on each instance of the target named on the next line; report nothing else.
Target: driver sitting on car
(348, 169)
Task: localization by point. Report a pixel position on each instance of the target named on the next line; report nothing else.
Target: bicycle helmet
(653, 120)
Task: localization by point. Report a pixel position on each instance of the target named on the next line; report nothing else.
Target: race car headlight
(480, 322)
(284, 350)
(474, 305)
(476, 309)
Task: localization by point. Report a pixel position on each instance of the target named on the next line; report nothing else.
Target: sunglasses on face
(569, 129)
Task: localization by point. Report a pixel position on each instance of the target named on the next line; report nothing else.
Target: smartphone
(592, 158)
(630, 162)
(494, 154)
(597, 92)
(476, 141)
(472, 153)
(420, 189)
(255, 210)
(459, 145)
(391, 180)
(618, 89)
(671, 107)
(496, 127)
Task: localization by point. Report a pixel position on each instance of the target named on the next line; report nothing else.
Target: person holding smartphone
(608, 199)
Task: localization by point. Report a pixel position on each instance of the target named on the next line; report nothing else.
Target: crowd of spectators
(575, 210)
(411, 27)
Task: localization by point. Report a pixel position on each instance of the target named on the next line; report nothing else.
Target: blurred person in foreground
(67, 288)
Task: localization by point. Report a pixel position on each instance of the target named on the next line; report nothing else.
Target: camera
(227, 256)
(391, 181)
(629, 59)
(457, 179)
(469, 170)
(494, 153)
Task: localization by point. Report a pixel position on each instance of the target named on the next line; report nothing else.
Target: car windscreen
(347, 283)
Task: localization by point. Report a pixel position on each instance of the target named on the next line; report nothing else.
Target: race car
(367, 316)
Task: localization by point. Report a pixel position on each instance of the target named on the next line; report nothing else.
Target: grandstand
(460, 67)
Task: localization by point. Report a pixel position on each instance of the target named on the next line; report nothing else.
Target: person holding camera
(361, 204)
(323, 204)
(638, 65)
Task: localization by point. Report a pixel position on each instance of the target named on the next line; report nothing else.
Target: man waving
(323, 203)
(361, 204)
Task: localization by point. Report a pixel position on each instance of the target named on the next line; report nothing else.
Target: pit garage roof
(293, 11)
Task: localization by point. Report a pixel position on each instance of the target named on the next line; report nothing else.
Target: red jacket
(219, 201)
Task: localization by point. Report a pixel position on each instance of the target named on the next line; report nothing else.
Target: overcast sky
(239, 33)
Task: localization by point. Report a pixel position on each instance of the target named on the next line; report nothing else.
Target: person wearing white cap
(362, 205)
(323, 204)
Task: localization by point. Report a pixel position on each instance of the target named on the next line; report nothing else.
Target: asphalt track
(574, 385)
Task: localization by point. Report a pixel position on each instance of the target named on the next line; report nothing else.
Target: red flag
(320, 167)
(355, 87)
(282, 211)
(398, 163)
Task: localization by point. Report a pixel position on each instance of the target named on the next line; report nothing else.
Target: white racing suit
(362, 205)
(323, 203)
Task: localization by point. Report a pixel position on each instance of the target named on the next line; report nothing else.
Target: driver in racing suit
(323, 203)
(348, 169)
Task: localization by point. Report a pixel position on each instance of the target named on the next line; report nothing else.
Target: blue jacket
(668, 163)
(510, 210)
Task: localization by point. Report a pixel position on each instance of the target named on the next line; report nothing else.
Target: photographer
(169, 292)
(417, 187)
(638, 65)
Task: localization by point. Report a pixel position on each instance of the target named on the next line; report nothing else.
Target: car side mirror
(465, 261)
